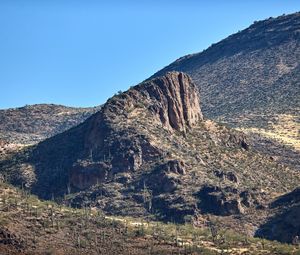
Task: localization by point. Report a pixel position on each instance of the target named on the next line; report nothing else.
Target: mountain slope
(251, 79)
(285, 225)
(33, 123)
(149, 152)
(31, 226)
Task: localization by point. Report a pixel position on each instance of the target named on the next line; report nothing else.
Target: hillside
(285, 225)
(31, 226)
(251, 79)
(34, 123)
(150, 153)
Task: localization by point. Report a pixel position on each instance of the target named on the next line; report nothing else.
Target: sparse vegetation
(33, 123)
(175, 182)
(29, 225)
(250, 81)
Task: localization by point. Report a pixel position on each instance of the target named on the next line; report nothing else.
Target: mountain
(34, 123)
(149, 152)
(251, 79)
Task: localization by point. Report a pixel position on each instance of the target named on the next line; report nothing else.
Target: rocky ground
(31, 226)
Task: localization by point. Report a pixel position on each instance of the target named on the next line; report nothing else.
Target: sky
(81, 52)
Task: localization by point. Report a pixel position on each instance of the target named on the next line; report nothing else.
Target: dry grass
(47, 228)
(284, 128)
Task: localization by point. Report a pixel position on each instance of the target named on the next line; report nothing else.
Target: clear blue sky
(81, 52)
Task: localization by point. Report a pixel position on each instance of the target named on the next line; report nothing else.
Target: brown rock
(174, 166)
(226, 175)
(238, 139)
(175, 100)
(219, 201)
(166, 177)
(86, 174)
(8, 238)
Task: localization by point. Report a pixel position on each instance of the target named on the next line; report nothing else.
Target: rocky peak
(175, 100)
(119, 133)
(171, 101)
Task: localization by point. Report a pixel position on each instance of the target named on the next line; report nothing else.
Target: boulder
(226, 175)
(173, 166)
(217, 201)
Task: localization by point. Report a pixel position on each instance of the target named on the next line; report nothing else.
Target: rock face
(177, 101)
(166, 177)
(228, 200)
(220, 202)
(171, 101)
(228, 175)
(174, 166)
(87, 174)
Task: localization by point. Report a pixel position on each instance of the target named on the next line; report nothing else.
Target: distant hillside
(33, 123)
(251, 80)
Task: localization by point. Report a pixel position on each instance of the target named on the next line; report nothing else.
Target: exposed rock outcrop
(10, 239)
(176, 99)
(226, 175)
(220, 202)
(228, 201)
(172, 101)
(165, 178)
(173, 166)
(238, 139)
(86, 174)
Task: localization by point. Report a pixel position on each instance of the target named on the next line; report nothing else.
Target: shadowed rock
(285, 225)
